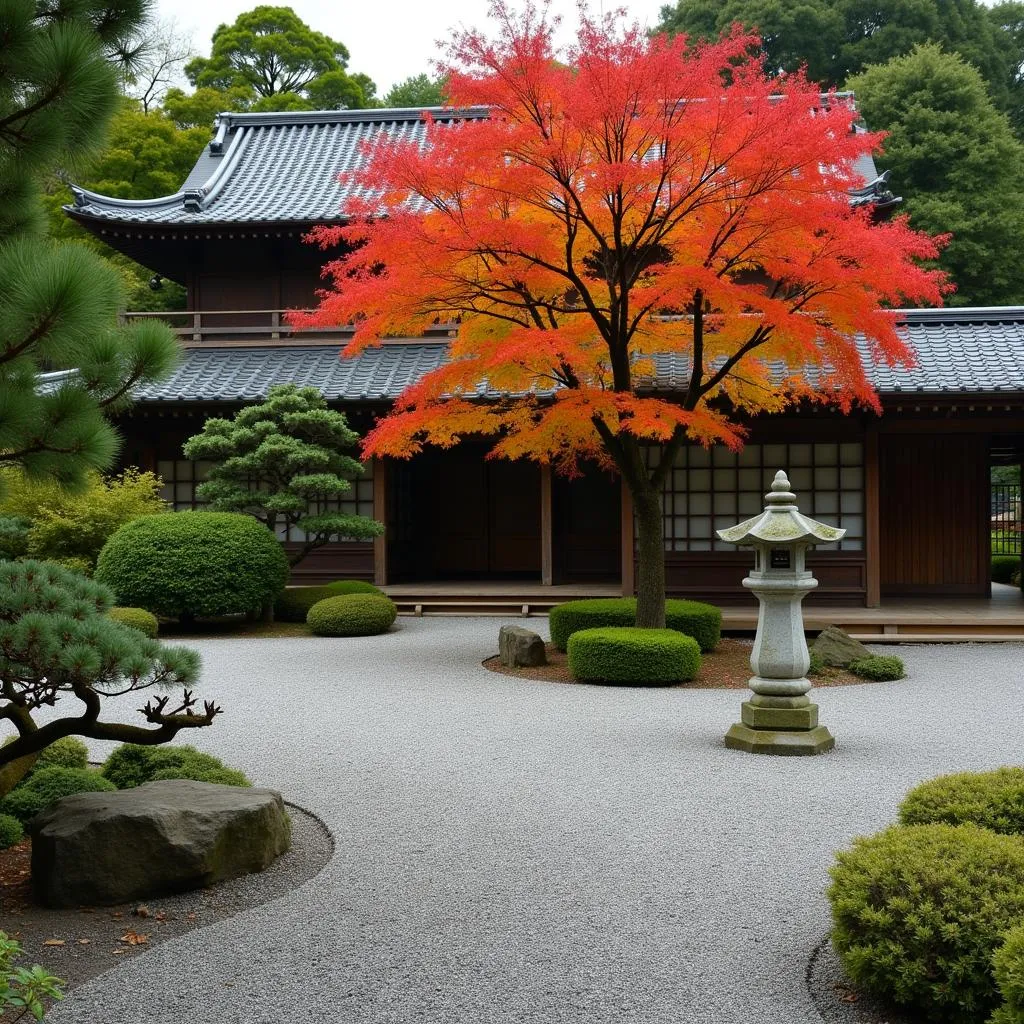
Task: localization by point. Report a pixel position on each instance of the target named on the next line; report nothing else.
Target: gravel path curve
(509, 850)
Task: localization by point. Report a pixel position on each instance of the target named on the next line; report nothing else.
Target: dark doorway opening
(587, 526)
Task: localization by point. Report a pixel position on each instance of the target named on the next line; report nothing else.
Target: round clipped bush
(11, 831)
(293, 603)
(132, 764)
(1008, 967)
(1003, 568)
(701, 621)
(339, 587)
(138, 618)
(880, 668)
(919, 912)
(189, 770)
(47, 786)
(67, 752)
(352, 615)
(993, 800)
(625, 654)
(186, 565)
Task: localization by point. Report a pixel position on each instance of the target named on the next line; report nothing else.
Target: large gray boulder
(518, 647)
(836, 648)
(160, 838)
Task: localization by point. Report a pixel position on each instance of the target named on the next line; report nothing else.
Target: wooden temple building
(911, 487)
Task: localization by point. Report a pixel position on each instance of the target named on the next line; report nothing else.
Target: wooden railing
(254, 327)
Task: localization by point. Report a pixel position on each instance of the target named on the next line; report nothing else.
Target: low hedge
(880, 668)
(920, 910)
(48, 785)
(11, 831)
(1008, 968)
(993, 800)
(1004, 567)
(293, 603)
(701, 621)
(342, 587)
(133, 764)
(138, 618)
(352, 615)
(626, 654)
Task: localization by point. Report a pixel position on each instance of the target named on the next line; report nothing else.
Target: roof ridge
(962, 315)
(380, 115)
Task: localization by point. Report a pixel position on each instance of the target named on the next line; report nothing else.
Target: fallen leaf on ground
(142, 911)
(133, 938)
(53, 942)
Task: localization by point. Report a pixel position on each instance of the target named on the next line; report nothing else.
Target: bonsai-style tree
(56, 642)
(641, 242)
(283, 461)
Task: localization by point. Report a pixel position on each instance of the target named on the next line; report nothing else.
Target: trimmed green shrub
(880, 668)
(701, 621)
(131, 765)
(919, 910)
(1003, 568)
(190, 564)
(1008, 968)
(993, 800)
(47, 786)
(11, 831)
(352, 615)
(138, 618)
(293, 603)
(67, 752)
(626, 654)
(339, 587)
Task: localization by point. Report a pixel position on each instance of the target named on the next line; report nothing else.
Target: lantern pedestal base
(779, 725)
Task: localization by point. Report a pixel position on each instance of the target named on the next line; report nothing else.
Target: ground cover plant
(24, 991)
(627, 654)
(701, 621)
(880, 668)
(352, 615)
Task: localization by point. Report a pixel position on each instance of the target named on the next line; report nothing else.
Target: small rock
(518, 647)
(836, 648)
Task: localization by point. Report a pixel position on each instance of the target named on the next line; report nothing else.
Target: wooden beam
(627, 542)
(872, 532)
(380, 513)
(546, 540)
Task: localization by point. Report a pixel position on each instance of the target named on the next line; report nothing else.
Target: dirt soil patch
(727, 667)
(78, 944)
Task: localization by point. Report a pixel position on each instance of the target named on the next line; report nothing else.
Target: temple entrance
(587, 528)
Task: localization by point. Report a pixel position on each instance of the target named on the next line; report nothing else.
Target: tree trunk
(11, 774)
(650, 603)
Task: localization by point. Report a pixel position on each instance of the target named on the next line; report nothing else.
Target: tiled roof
(284, 167)
(959, 351)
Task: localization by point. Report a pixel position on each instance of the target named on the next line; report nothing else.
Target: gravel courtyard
(510, 850)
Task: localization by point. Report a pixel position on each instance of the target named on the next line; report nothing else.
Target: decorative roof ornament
(781, 522)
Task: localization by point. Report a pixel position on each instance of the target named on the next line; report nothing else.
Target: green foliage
(957, 164)
(11, 831)
(919, 910)
(272, 52)
(13, 536)
(352, 615)
(57, 645)
(626, 654)
(353, 587)
(701, 621)
(67, 752)
(1008, 968)
(993, 800)
(1003, 567)
(75, 524)
(193, 564)
(138, 618)
(816, 666)
(199, 108)
(880, 668)
(416, 91)
(283, 461)
(48, 785)
(132, 765)
(293, 603)
(24, 989)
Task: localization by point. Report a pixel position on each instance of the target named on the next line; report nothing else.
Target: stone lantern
(780, 718)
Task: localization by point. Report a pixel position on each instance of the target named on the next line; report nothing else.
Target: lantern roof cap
(781, 522)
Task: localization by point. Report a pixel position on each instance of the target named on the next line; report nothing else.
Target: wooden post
(380, 513)
(547, 550)
(197, 326)
(872, 535)
(628, 553)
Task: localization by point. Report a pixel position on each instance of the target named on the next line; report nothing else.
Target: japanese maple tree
(603, 218)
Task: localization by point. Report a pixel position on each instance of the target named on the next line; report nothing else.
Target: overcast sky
(389, 40)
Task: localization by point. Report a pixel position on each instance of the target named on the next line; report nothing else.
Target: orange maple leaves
(636, 234)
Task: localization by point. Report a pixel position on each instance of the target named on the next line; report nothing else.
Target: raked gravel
(510, 850)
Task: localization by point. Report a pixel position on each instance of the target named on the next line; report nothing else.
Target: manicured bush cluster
(1004, 567)
(293, 603)
(187, 565)
(1008, 967)
(138, 618)
(132, 764)
(67, 752)
(352, 615)
(11, 831)
(48, 785)
(880, 668)
(993, 800)
(701, 621)
(626, 654)
(920, 910)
